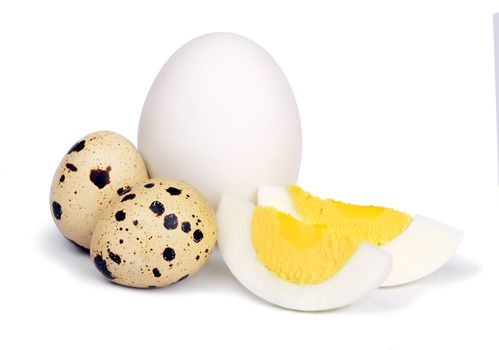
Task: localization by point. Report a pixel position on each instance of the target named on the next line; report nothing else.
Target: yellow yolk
(375, 225)
(298, 252)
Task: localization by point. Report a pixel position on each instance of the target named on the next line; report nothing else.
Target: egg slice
(293, 264)
(418, 245)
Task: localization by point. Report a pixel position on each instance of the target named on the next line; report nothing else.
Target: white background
(397, 107)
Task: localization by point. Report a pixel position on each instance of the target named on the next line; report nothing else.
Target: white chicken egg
(418, 245)
(221, 116)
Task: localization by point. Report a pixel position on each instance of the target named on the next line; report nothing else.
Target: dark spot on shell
(120, 215)
(71, 167)
(186, 227)
(169, 254)
(77, 147)
(123, 190)
(182, 278)
(62, 178)
(171, 222)
(135, 222)
(173, 191)
(100, 177)
(152, 287)
(56, 210)
(115, 257)
(206, 250)
(101, 265)
(128, 197)
(149, 185)
(121, 241)
(157, 208)
(156, 272)
(197, 236)
(197, 257)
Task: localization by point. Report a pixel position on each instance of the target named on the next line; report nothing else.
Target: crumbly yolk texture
(296, 251)
(373, 224)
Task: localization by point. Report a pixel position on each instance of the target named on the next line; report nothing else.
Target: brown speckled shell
(134, 240)
(78, 197)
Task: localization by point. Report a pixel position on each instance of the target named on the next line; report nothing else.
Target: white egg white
(365, 270)
(425, 246)
(421, 249)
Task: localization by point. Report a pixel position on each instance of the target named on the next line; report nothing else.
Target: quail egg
(158, 233)
(97, 168)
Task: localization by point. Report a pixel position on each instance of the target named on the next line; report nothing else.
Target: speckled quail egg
(158, 233)
(96, 169)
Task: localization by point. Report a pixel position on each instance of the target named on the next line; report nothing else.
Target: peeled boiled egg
(221, 116)
(295, 265)
(418, 245)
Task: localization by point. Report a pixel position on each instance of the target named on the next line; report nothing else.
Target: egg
(221, 115)
(158, 233)
(296, 265)
(418, 245)
(95, 170)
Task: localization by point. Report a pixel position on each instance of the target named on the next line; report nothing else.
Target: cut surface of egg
(418, 245)
(289, 263)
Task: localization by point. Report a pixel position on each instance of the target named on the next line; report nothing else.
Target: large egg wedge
(418, 245)
(358, 269)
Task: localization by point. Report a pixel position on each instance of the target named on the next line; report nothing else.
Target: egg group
(220, 128)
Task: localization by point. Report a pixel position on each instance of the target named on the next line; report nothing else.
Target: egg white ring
(364, 271)
(277, 197)
(421, 249)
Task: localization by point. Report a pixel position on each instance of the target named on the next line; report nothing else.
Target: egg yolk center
(373, 224)
(296, 251)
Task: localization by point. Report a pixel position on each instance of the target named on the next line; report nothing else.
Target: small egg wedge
(294, 265)
(418, 245)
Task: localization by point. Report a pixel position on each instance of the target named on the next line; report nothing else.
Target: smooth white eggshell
(221, 115)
